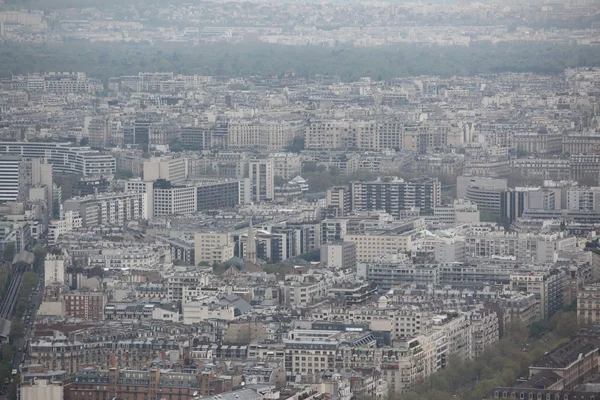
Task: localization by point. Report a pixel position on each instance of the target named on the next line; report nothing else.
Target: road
(28, 326)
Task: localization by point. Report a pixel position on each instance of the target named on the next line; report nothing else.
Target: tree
(7, 352)
(564, 324)
(16, 329)
(279, 181)
(8, 253)
(296, 146)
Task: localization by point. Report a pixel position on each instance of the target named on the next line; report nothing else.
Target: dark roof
(542, 380)
(4, 328)
(24, 257)
(571, 395)
(565, 354)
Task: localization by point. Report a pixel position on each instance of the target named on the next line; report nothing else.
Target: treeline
(500, 365)
(103, 60)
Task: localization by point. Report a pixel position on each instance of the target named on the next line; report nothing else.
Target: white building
(212, 247)
(196, 312)
(339, 255)
(169, 168)
(41, 389)
(171, 200)
(54, 269)
(57, 227)
(262, 179)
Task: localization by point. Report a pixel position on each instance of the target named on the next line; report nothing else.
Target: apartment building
(262, 180)
(588, 304)
(261, 134)
(64, 157)
(171, 169)
(222, 193)
(575, 362)
(340, 255)
(212, 247)
(86, 305)
(108, 208)
(54, 269)
(286, 165)
(394, 195)
(173, 200)
(372, 245)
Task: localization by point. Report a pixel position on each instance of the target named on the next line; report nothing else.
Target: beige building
(212, 247)
(371, 246)
(339, 255)
(41, 389)
(172, 169)
(286, 165)
(262, 134)
(588, 304)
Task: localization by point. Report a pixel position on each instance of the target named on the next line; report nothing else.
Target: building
(372, 245)
(169, 199)
(583, 199)
(394, 195)
(212, 247)
(575, 362)
(64, 157)
(171, 169)
(22, 178)
(340, 255)
(41, 389)
(338, 198)
(286, 165)
(222, 193)
(588, 304)
(154, 383)
(196, 137)
(57, 227)
(86, 305)
(108, 208)
(54, 270)
(262, 179)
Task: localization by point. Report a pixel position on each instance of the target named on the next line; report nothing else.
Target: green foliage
(500, 365)
(296, 146)
(8, 253)
(30, 281)
(7, 352)
(4, 278)
(279, 181)
(320, 179)
(102, 60)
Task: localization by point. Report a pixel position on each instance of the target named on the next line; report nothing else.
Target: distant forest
(102, 60)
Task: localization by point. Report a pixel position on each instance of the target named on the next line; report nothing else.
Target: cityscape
(315, 200)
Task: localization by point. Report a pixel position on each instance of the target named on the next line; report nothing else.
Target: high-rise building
(18, 176)
(394, 195)
(172, 169)
(212, 247)
(170, 200)
(54, 269)
(262, 180)
(9, 178)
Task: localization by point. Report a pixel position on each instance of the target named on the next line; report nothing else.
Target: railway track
(12, 295)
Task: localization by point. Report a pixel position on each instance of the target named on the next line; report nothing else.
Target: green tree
(7, 352)
(279, 181)
(8, 253)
